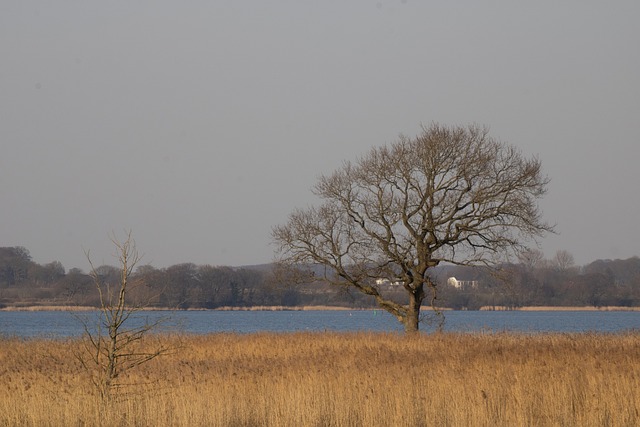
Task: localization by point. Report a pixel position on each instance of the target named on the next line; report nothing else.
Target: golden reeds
(333, 379)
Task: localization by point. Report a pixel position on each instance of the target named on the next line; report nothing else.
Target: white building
(462, 284)
(386, 282)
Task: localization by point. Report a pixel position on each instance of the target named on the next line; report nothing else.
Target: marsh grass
(331, 379)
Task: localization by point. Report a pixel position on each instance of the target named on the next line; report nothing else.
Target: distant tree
(106, 273)
(531, 259)
(146, 269)
(152, 285)
(42, 278)
(179, 280)
(75, 288)
(54, 271)
(15, 263)
(563, 261)
(450, 195)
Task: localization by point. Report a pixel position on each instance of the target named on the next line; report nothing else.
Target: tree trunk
(412, 319)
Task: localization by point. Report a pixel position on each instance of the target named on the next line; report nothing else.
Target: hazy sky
(199, 125)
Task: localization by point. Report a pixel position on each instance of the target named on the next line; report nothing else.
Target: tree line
(182, 286)
(531, 280)
(536, 281)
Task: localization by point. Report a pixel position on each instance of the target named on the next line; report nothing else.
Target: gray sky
(201, 124)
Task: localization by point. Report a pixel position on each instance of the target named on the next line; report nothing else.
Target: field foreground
(331, 379)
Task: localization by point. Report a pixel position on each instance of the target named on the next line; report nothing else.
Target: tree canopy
(450, 195)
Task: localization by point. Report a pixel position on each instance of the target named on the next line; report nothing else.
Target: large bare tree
(450, 195)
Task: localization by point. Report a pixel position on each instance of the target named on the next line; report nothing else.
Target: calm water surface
(60, 324)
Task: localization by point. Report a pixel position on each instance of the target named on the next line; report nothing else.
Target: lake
(61, 324)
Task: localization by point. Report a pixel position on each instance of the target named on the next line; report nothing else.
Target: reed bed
(336, 379)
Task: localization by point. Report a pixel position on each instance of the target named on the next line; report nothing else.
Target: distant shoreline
(320, 307)
(255, 308)
(563, 308)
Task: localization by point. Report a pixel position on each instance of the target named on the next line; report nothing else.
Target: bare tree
(563, 261)
(113, 346)
(450, 195)
(531, 259)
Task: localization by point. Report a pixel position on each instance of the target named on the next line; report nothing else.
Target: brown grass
(331, 379)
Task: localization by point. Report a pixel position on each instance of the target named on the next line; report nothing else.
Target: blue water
(59, 324)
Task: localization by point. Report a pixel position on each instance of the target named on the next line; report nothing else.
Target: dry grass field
(331, 379)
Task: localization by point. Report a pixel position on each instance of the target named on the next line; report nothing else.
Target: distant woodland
(532, 281)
